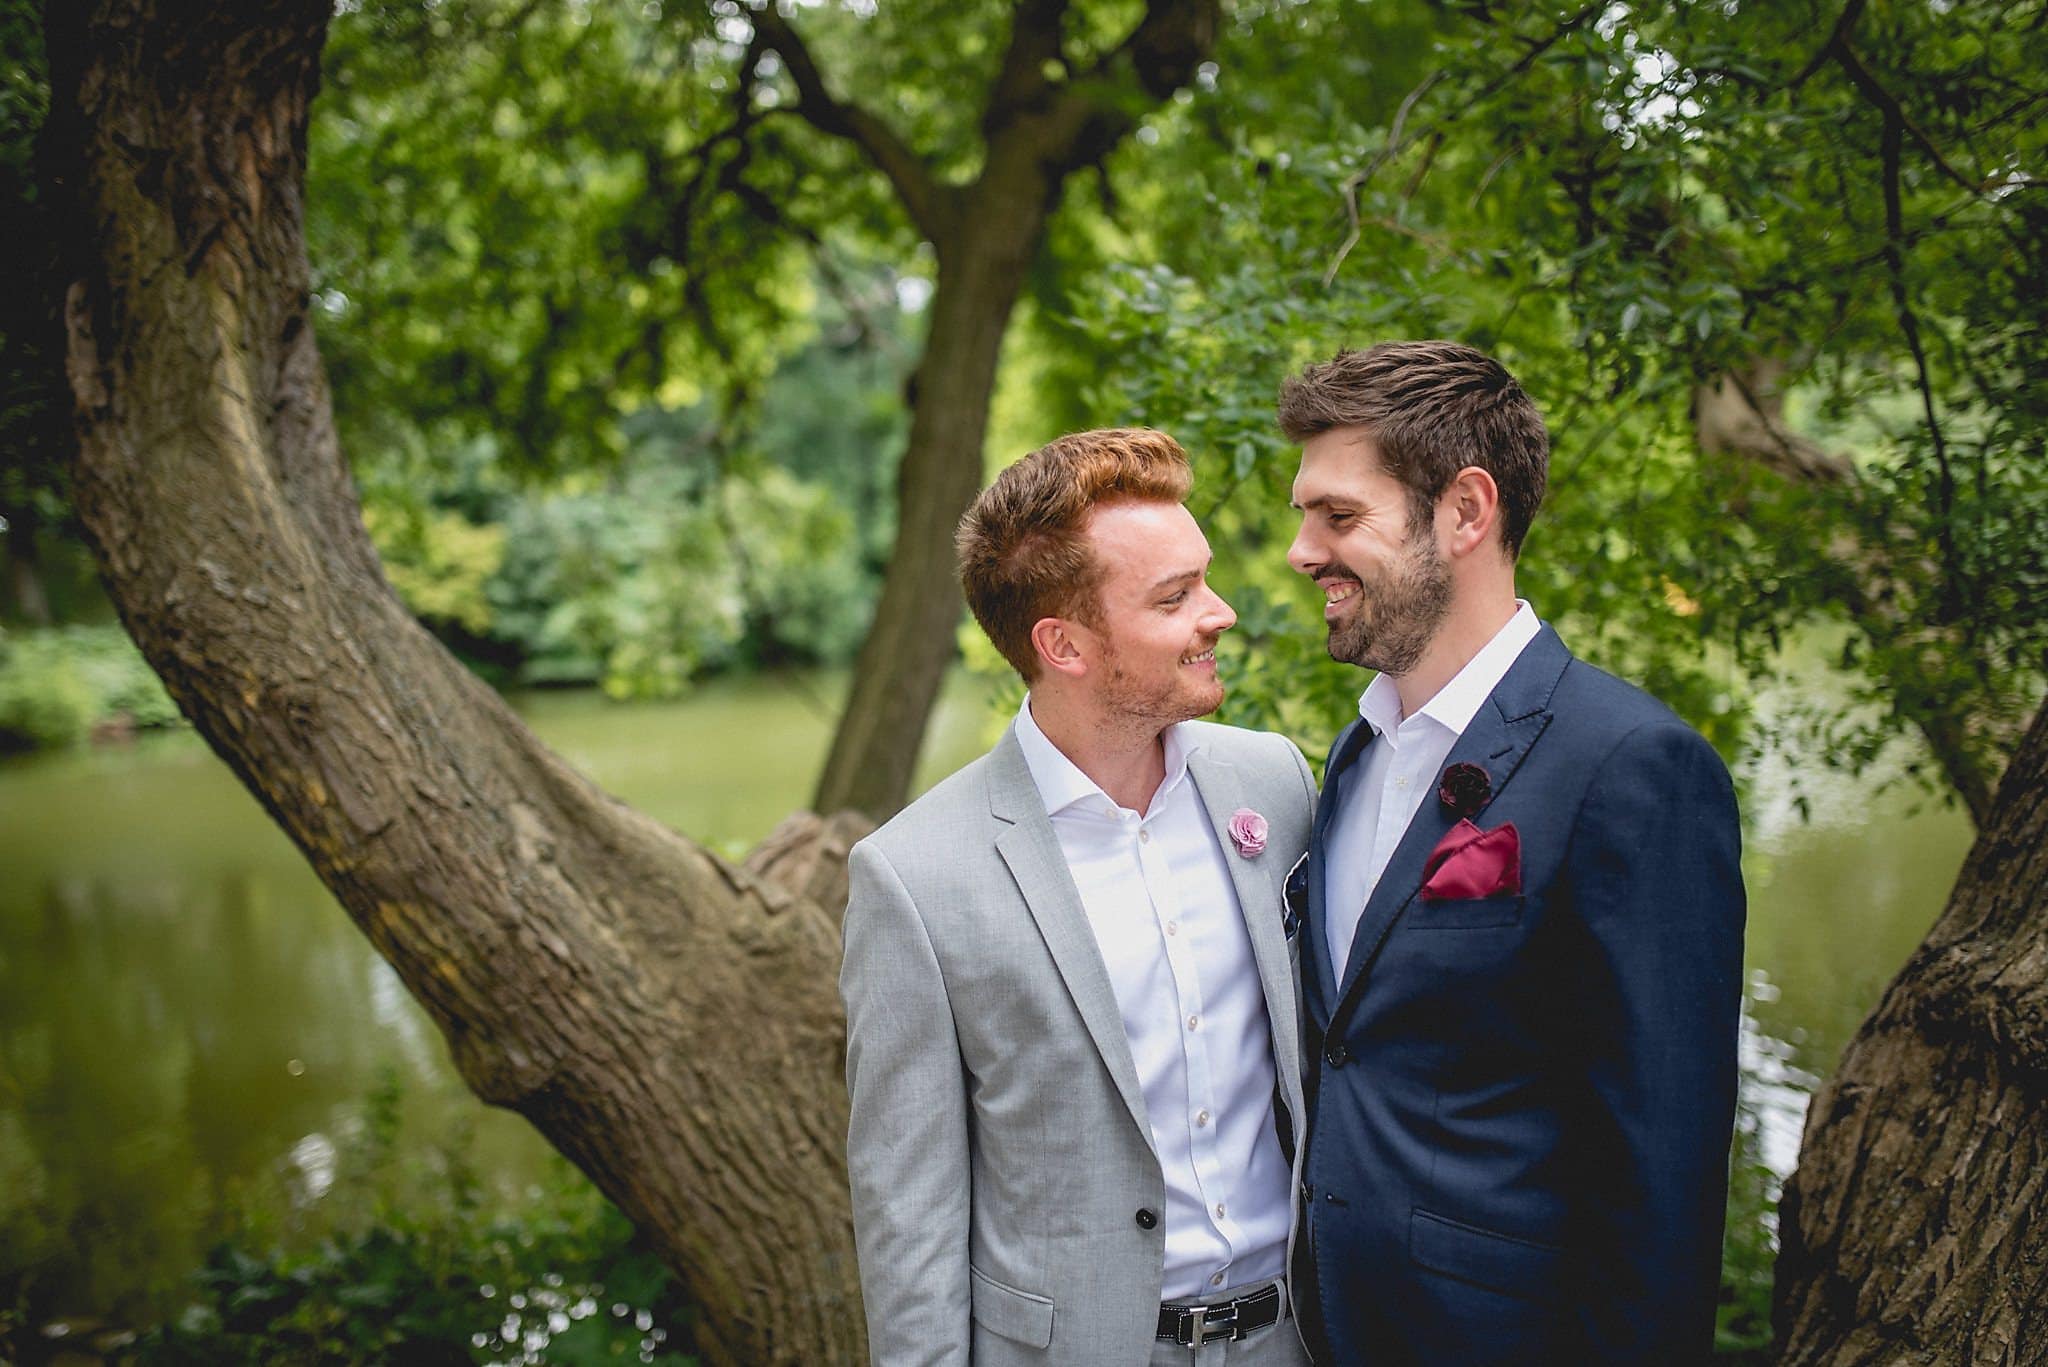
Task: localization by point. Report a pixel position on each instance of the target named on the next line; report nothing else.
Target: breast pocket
(1468, 913)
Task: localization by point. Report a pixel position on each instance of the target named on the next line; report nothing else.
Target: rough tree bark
(587, 965)
(1046, 116)
(1911, 1230)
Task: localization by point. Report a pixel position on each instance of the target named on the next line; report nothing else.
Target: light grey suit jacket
(999, 1152)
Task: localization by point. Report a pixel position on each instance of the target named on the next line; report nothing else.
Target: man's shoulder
(1598, 702)
(950, 808)
(1613, 719)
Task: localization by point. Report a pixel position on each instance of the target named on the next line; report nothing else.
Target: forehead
(1140, 543)
(1342, 462)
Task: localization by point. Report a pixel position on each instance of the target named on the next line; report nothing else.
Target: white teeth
(1337, 593)
(1208, 654)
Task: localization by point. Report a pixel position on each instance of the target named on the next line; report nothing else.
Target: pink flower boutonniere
(1465, 789)
(1248, 832)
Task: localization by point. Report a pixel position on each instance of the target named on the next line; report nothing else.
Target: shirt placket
(1201, 1109)
(1391, 822)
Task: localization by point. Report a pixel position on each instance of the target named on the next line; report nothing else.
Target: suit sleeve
(1658, 893)
(907, 1147)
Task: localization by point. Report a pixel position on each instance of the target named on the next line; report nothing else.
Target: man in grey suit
(1070, 1003)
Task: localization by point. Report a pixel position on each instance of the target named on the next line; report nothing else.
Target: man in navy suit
(1521, 946)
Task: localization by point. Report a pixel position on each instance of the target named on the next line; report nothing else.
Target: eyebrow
(1185, 576)
(1320, 502)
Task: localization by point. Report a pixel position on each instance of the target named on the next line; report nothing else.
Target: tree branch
(1034, 44)
(1082, 120)
(1845, 56)
(921, 194)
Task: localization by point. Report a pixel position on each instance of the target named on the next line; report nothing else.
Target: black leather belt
(1193, 1325)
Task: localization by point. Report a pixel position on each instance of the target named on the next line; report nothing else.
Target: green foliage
(438, 561)
(1625, 205)
(1742, 1319)
(428, 1275)
(35, 412)
(56, 685)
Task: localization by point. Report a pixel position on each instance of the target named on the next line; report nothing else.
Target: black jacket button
(1146, 1219)
(1336, 1055)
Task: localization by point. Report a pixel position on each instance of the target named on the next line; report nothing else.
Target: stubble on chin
(1152, 710)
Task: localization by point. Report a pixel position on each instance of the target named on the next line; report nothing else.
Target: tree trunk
(587, 965)
(1037, 132)
(903, 660)
(1911, 1230)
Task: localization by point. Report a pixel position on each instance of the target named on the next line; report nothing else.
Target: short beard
(1395, 619)
(1150, 711)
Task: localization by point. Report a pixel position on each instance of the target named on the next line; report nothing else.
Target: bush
(57, 684)
(428, 1276)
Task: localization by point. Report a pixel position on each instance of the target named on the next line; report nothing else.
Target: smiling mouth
(1338, 590)
(1205, 657)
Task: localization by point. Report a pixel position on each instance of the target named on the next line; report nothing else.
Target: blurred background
(629, 337)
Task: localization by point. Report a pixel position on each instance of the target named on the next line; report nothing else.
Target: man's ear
(1054, 638)
(1473, 503)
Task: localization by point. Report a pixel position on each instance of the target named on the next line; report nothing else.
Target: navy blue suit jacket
(1520, 1106)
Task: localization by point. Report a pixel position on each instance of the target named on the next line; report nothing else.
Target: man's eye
(1174, 600)
(1340, 519)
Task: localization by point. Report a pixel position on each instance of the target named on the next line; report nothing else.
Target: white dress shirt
(1381, 792)
(1158, 895)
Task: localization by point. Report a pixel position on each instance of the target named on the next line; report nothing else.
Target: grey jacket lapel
(1497, 740)
(1258, 896)
(1032, 852)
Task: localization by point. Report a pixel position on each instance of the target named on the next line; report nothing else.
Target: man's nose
(1304, 553)
(1221, 617)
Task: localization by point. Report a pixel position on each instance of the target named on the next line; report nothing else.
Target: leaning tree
(666, 1019)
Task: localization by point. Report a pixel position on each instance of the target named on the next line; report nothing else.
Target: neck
(1465, 631)
(1123, 757)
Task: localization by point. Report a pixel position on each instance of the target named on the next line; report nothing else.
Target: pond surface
(190, 1027)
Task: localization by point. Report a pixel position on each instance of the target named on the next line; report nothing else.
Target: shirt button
(1173, 927)
(1194, 1022)
(1401, 781)
(1216, 1280)
(1219, 1210)
(1144, 837)
(1201, 1119)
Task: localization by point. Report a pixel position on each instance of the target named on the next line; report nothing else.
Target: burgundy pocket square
(1469, 863)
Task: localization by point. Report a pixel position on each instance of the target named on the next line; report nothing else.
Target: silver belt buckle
(1222, 1318)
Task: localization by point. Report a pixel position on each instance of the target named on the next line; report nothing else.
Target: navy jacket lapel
(1497, 740)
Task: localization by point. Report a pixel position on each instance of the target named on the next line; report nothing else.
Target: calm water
(189, 1026)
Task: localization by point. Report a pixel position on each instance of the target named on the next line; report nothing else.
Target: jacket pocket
(1012, 1313)
(1500, 1262)
(1465, 913)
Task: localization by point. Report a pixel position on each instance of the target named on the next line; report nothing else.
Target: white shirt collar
(1060, 781)
(1458, 701)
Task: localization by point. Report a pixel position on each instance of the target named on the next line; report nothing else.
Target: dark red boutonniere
(1470, 863)
(1464, 789)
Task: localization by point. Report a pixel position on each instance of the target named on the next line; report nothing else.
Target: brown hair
(1022, 555)
(1431, 409)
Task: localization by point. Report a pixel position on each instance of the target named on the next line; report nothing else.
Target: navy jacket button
(1336, 1055)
